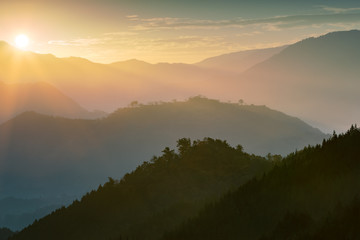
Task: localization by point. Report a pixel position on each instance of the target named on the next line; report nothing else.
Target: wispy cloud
(132, 17)
(339, 10)
(168, 38)
(120, 34)
(278, 22)
(84, 42)
(248, 34)
(121, 40)
(106, 38)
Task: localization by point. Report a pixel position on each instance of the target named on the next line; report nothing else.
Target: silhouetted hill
(292, 201)
(43, 155)
(16, 213)
(316, 73)
(238, 62)
(5, 233)
(40, 97)
(341, 223)
(156, 197)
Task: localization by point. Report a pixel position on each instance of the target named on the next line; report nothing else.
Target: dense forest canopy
(156, 197)
(207, 189)
(291, 201)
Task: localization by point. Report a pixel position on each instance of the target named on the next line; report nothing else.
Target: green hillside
(292, 201)
(156, 197)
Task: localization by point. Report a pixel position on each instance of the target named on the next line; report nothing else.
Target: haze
(170, 119)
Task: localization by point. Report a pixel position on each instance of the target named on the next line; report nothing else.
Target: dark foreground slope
(154, 198)
(341, 223)
(292, 200)
(5, 233)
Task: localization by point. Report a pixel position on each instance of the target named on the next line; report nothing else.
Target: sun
(21, 41)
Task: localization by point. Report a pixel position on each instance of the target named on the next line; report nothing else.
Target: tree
(183, 145)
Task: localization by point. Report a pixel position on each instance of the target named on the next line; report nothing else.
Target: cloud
(248, 34)
(339, 10)
(133, 17)
(272, 23)
(81, 42)
(120, 34)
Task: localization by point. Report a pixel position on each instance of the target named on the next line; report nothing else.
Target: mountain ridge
(65, 144)
(238, 62)
(41, 97)
(315, 73)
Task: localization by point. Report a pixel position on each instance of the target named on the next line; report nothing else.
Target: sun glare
(21, 41)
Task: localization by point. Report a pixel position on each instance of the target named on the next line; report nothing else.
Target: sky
(184, 31)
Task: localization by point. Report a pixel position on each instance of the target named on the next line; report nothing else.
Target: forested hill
(293, 201)
(156, 197)
(5, 233)
(71, 155)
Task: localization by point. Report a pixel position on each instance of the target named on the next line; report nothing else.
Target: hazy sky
(168, 30)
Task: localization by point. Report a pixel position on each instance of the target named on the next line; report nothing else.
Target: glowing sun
(21, 41)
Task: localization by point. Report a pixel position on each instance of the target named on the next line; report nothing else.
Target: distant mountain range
(40, 97)
(299, 79)
(317, 79)
(110, 86)
(238, 62)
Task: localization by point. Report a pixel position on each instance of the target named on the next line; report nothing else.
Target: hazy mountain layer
(310, 79)
(109, 86)
(238, 62)
(50, 156)
(316, 79)
(40, 97)
(39, 152)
